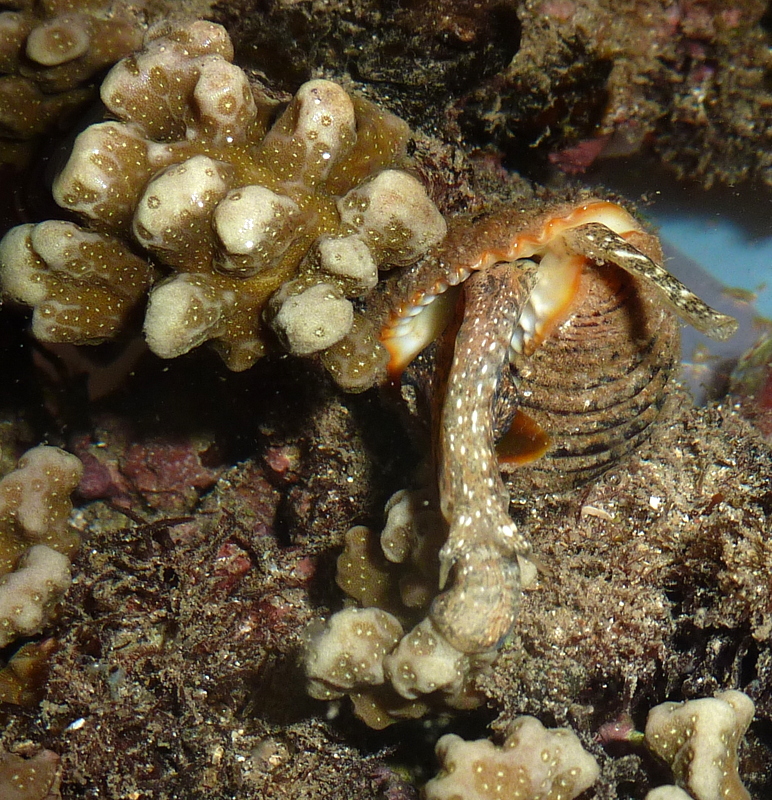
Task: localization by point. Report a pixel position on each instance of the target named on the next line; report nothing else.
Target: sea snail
(574, 300)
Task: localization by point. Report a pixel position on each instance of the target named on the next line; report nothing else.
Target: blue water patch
(724, 249)
(716, 242)
(727, 230)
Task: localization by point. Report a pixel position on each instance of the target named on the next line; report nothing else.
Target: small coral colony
(259, 227)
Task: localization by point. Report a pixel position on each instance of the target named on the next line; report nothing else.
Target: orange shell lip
(423, 316)
(550, 301)
(525, 244)
(404, 337)
(524, 442)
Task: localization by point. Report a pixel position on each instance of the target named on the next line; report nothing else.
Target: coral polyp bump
(698, 739)
(263, 232)
(534, 763)
(49, 51)
(36, 540)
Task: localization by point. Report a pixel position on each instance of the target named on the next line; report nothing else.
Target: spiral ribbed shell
(599, 382)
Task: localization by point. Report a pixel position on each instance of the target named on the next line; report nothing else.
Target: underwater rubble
(223, 518)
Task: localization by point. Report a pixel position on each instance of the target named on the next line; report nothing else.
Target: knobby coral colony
(253, 235)
(532, 763)
(573, 295)
(36, 544)
(698, 739)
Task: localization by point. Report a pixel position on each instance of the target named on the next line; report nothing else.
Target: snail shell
(600, 381)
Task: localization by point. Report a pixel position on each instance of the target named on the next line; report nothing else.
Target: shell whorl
(600, 381)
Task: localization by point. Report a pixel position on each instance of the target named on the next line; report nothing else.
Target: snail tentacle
(599, 243)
